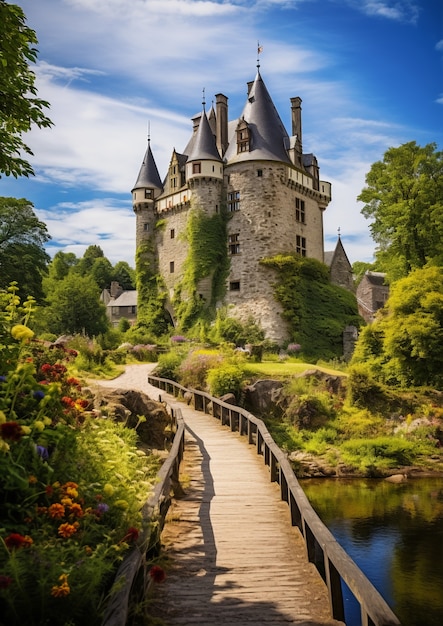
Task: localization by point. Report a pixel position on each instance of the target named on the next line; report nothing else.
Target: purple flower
(39, 394)
(102, 508)
(2, 379)
(43, 453)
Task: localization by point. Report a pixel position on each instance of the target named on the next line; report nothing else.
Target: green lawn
(275, 369)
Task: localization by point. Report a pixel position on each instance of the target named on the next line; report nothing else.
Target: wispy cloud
(397, 10)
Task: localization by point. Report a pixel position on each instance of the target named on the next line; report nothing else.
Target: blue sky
(369, 72)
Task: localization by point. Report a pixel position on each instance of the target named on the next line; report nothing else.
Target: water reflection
(394, 532)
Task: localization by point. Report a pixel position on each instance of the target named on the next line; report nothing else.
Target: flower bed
(72, 484)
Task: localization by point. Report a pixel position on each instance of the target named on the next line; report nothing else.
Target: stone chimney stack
(296, 120)
(221, 103)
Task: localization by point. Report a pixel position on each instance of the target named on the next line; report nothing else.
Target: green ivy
(207, 256)
(151, 292)
(316, 310)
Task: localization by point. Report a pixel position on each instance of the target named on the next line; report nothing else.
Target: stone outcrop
(125, 405)
(263, 396)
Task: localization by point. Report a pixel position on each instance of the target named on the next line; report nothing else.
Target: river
(394, 532)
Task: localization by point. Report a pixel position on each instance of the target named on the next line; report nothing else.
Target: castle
(253, 171)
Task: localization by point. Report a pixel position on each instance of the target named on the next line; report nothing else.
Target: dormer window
(243, 137)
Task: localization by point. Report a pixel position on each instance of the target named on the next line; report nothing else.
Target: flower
(131, 534)
(108, 489)
(2, 379)
(157, 574)
(16, 540)
(121, 504)
(43, 453)
(62, 590)
(39, 394)
(56, 510)
(67, 530)
(11, 431)
(76, 510)
(5, 581)
(21, 332)
(102, 507)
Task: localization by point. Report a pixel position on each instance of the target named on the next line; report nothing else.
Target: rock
(263, 395)
(126, 405)
(397, 478)
(229, 398)
(333, 383)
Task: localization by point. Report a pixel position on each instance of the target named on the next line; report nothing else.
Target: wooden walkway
(234, 556)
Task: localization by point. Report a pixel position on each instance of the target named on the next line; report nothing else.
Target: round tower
(146, 190)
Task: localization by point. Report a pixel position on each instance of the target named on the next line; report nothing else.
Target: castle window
(300, 246)
(234, 244)
(133, 310)
(259, 173)
(171, 267)
(148, 193)
(234, 285)
(243, 137)
(173, 182)
(172, 233)
(145, 226)
(234, 201)
(196, 168)
(300, 210)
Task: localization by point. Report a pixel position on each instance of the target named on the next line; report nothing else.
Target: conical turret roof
(268, 135)
(148, 175)
(202, 146)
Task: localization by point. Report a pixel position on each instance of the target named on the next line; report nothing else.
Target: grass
(276, 369)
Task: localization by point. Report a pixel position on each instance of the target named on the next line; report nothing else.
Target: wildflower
(43, 453)
(21, 332)
(39, 394)
(11, 431)
(76, 510)
(26, 430)
(102, 508)
(49, 490)
(2, 417)
(56, 510)
(131, 534)
(2, 379)
(108, 490)
(62, 590)
(73, 381)
(157, 574)
(5, 581)
(67, 401)
(32, 480)
(67, 530)
(39, 425)
(4, 447)
(46, 368)
(16, 540)
(121, 504)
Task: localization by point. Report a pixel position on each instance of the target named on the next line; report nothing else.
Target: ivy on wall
(207, 257)
(151, 292)
(316, 310)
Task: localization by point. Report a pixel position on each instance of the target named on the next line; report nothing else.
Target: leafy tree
(404, 198)
(124, 275)
(359, 268)
(404, 346)
(75, 308)
(19, 105)
(22, 254)
(61, 264)
(85, 264)
(101, 271)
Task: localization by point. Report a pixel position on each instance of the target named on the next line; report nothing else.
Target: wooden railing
(322, 548)
(153, 513)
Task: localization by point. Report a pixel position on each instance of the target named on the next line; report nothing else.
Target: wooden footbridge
(245, 545)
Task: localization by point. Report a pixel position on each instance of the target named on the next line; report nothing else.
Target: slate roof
(148, 175)
(126, 298)
(268, 134)
(376, 278)
(202, 145)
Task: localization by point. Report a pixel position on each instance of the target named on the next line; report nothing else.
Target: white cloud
(398, 10)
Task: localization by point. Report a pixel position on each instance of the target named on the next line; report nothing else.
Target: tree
(19, 105)
(74, 307)
(404, 345)
(61, 264)
(101, 272)
(22, 254)
(124, 275)
(85, 264)
(404, 198)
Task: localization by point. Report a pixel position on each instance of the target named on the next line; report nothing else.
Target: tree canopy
(22, 253)
(19, 105)
(404, 199)
(403, 345)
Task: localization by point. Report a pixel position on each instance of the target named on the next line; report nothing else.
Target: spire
(203, 144)
(148, 175)
(268, 136)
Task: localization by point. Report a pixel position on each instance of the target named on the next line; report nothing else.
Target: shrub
(168, 364)
(194, 369)
(387, 452)
(227, 378)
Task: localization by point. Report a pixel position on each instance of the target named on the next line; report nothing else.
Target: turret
(203, 158)
(144, 193)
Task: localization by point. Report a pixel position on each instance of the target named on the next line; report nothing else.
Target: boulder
(127, 405)
(263, 395)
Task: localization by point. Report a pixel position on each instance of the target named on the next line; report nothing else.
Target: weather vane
(259, 50)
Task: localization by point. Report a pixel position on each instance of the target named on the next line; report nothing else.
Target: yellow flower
(4, 446)
(108, 490)
(47, 421)
(38, 425)
(32, 479)
(62, 590)
(21, 332)
(26, 430)
(121, 504)
(2, 417)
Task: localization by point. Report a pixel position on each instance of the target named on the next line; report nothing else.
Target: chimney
(221, 103)
(296, 120)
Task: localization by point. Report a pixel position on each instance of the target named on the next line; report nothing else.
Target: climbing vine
(151, 292)
(207, 257)
(316, 310)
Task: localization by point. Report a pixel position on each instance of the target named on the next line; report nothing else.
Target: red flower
(11, 430)
(67, 401)
(131, 535)
(16, 540)
(157, 574)
(5, 581)
(46, 367)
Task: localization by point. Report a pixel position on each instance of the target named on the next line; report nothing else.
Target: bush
(168, 364)
(194, 369)
(383, 452)
(226, 378)
(364, 391)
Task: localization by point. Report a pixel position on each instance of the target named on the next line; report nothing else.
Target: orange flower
(76, 510)
(16, 540)
(32, 480)
(56, 510)
(67, 530)
(62, 590)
